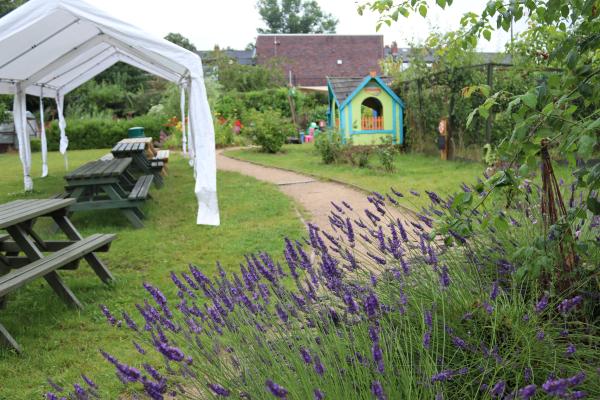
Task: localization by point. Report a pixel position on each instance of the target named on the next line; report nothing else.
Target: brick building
(308, 59)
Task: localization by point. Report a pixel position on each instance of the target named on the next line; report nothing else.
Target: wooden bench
(141, 188)
(163, 155)
(107, 157)
(76, 251)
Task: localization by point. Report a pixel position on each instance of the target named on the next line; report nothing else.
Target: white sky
(234, 22)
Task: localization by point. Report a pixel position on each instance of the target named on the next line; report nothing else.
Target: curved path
(313, 195)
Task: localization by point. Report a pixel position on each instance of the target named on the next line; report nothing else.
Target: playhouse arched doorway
(371, 114)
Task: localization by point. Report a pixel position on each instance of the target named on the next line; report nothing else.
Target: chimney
(394, 48)
(373, 73)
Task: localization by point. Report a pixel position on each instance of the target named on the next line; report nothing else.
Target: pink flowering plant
(374, 307)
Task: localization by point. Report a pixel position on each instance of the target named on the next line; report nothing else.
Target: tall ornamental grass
(375, 307)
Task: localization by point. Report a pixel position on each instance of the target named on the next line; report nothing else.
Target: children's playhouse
(365, 110)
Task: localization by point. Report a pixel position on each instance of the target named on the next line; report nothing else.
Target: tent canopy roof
(58, 45)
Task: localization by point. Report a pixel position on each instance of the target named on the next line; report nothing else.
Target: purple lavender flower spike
(219, 390)
(378, 357)
(305, 355)
(319, 395)
(79, 392)
(527, 392)
(55, 386)
(576, 379)
(427, 339)
(109, 317)
(89, 382)
(580, 394)
(349, 301)
(377, 390)
(281, 313)
(570, 350)
(371, 305)
(498, 389)
(569, 304)
(495, 290)
(444, 277)
(171, 352)
(277, 390)
(397, 193)
(556, 387)
(52, 396)
(415, 193)
(528, 375)
(542, 304)
(319, 368)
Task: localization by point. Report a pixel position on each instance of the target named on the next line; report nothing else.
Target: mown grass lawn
(413, 171)
(60, 342)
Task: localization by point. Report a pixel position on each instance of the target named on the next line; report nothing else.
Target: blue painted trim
(386, 132)
(342, 126)
(332, 93)
(357, 90)
(394, 126)
(350, 120)
(381, 83)
(401, 126)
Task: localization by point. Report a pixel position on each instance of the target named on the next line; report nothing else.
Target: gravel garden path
(313, 195)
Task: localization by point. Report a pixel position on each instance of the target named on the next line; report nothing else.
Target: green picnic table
(137, 152)
(26, 256)
(107, 184)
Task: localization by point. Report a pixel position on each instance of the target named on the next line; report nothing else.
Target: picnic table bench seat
(77, 250)
(141, 188)
(162, 155)
(107, 157)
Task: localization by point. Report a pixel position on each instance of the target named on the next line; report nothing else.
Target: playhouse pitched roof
(343, 87)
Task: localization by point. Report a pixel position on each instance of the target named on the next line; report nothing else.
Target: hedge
(99, 133)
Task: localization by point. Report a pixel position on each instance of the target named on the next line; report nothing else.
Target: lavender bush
(376, 308)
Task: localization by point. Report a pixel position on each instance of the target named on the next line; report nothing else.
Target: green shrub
(329, 146)
(269, 129)
(35, 145)
(98, 133)
(386, 153)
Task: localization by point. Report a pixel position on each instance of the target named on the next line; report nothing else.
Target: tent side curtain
(50, 47)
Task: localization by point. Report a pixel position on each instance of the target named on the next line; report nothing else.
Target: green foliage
(225, 136)
(7, 6)
(181, 41)
(561, 107)
(329, 146)
(295, 16)
(101, 133)
(244, 78)
(35, 145)
(236, 105)
(268, 129)
(386, 153)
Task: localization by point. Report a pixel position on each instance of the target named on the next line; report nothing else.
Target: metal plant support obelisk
(553, 211)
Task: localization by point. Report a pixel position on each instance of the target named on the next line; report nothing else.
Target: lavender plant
(375, 307)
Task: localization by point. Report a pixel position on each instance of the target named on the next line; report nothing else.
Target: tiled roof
(343, 87)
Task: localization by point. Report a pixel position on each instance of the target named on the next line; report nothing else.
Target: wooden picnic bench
(108, 185)
(22, 250)
(137, 152)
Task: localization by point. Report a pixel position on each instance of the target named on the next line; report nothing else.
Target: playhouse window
(371, 114)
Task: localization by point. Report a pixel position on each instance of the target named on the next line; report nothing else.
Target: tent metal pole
(68, 57)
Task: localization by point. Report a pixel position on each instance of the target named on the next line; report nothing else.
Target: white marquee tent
(50, 47)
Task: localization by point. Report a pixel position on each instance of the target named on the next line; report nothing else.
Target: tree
(295, 16)
(7, 6)
(181, 41)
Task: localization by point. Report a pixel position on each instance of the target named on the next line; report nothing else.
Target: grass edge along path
(60, 342)
(413, 171)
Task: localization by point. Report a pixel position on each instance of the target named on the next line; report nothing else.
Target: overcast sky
(234, 22)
